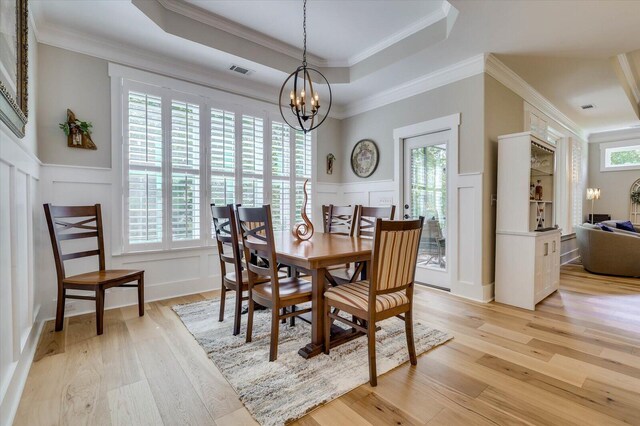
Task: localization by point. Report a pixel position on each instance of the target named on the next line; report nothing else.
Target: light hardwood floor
(574, 361)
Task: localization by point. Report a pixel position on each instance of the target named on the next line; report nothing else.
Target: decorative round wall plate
(364, 158)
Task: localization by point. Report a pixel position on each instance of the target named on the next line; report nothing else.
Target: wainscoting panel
(19, 328)
(569, 249)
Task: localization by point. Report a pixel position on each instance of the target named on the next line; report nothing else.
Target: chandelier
(299, 102)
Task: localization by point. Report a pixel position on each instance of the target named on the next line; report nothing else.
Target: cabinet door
(555, 262)
(541, 265)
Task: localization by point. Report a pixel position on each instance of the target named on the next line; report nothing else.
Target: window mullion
(167, 172)
(267, 169)
(205, 174)
(292, 177)
(238, 157)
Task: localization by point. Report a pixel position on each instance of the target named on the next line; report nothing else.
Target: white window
(144, 150)
(252, 161)
(182, 152)
(281, 175)
(185, 171)
(624, 155)
(303, 164)
(578, 181)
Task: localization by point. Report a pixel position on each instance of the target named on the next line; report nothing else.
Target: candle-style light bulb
(302, 94)
(292, 96)
(317, 97)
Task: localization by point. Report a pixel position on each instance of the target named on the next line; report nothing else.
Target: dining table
(316, 257)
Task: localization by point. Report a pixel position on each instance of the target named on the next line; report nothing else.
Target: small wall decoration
(330, 159)
(364, 158)
(14, 45)
(304, 230)
(78, 132)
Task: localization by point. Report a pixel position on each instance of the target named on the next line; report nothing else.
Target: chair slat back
(367, 219)
(395, 254)
(325, 218)
(62, 221)
(259, 244)
(226, 232)
(342, 220)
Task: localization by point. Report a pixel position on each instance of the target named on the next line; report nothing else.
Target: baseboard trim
(11, 400)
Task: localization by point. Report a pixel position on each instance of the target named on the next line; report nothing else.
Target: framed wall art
(364, 158)
(14, 40)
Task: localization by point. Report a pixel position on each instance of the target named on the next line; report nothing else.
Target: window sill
(154, 253)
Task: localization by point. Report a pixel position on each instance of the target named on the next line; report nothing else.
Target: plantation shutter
(303, 154)
(144, 168)
(252, 161)
(185, 171)
(280, 172)
(223, 146)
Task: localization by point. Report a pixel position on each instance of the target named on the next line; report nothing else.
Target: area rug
(284, 390)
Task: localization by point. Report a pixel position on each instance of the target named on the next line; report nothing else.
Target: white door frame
(448, 123)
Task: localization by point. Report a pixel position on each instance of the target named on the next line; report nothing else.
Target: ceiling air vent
(587, 106)
(243, 71)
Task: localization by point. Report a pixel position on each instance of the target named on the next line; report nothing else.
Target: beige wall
(464, 96)
(614, 187)
(80, 83)
(503, 114)
(328, 137)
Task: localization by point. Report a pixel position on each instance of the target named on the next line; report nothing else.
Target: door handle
(406, 216)
(406, 206)
(546, 249)
(554, 246)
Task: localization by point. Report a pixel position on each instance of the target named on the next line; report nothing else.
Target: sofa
(609, 253)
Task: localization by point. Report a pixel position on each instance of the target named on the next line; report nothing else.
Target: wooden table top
(321, 250)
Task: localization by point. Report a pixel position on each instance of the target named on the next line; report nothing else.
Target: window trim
(124, 79)
(604, 147)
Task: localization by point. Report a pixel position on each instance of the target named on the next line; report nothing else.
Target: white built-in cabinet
(527, 238)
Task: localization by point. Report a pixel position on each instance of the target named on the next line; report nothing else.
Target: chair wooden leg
(141, 296)
(284, 312)
(62, 294)
(237, 312)
(292, 320)
(408, 328)
(275, 330)
(250, 319)
(99, 309)
(223, 297)
(371, 337)
(327, 328)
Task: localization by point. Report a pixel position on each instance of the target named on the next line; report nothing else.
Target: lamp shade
(593, 193)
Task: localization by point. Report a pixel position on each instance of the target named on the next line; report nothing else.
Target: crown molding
(419, 25)
(628, 75)
(208, 18)
(458, 71)
(505, 75)
(615, 135)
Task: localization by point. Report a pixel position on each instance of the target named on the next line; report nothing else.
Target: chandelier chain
(304, 31)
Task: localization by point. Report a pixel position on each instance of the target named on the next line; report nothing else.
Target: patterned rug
(282, 391)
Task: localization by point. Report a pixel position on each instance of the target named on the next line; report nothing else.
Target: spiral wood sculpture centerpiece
(304, 230)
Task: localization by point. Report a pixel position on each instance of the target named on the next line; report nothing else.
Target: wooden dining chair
(88, 219)
(341, 220)
(280, 294)
(225, 227)
(365, 224)
(388, 293)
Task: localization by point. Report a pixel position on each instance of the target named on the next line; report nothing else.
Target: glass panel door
(426, 194)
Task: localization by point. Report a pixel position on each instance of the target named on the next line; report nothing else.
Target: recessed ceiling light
(587, 106)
